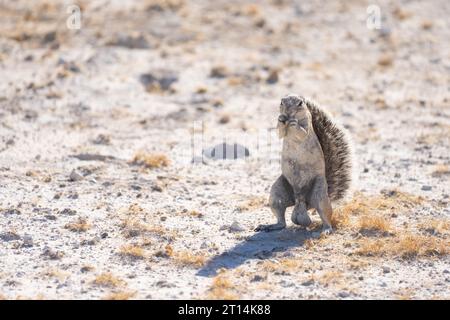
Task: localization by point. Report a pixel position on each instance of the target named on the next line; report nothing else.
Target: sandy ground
(98, 128)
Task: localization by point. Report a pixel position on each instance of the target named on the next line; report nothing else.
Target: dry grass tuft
(120, 295)
(385, 61)
(372, 224)
(186, 258)
(107, 279)
(436, 227)
(390, 201)
(131, 251)
(134, 227)
(284, 265)
(255, 202)
(221, 289)
(149, 160)
(405, 246)
(441, 170)
(80, 225)
(55, 273)
(329, 278)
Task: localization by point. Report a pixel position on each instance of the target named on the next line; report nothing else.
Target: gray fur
(315, 164)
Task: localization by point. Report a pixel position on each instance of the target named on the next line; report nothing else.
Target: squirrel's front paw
(327, 230)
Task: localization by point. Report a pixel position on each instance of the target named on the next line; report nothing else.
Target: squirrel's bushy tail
(336, 150)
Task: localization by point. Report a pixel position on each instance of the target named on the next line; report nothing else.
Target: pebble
(426, 188)
(27, 241)
(52, 254)
(386, 269)
(257, 278)
(344, 294)
(9, 236)
(11, 211)
(236, 227)
(75, 176)
(308, 283)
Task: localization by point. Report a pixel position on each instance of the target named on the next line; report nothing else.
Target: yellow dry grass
(389, 202)
(255, 202)
(283, 265)
(80, 225)
(221, 289)
(150, 160)
(185, 258)
(405, 245)
(107, 279)
(134, 227)
(374, 223)
(436, 227)
(120, 295)
(55, 273)
(441, 170)
(132, 251)
(329, 277)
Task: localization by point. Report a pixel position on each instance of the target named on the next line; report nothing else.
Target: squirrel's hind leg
(281, 197)
(321, 202)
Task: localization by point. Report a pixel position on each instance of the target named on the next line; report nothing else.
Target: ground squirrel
(315, 164)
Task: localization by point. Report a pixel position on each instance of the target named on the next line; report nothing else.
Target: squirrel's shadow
(262, 245)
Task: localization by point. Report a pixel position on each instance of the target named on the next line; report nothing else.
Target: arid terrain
(109, 188)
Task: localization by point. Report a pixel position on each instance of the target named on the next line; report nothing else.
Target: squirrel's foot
(270, 227)
(327, 230)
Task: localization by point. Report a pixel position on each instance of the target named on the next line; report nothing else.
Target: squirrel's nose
(282, 118)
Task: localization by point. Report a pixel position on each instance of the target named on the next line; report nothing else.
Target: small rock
(344, 294)
(49, 37)
(236, 227)
(75, 176)
(308, 283)
(161, 82)
(133, 41)
(27, 241)
(102, 139)
(11, 212)
(52, 254)
(224, 119)
(257, 278)
(164, 284)
(426, 188)
(157, 187)
(9, 236)
(67, 211)
(104, 235)
(273, 77)
(218, 72)
(386, 269)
